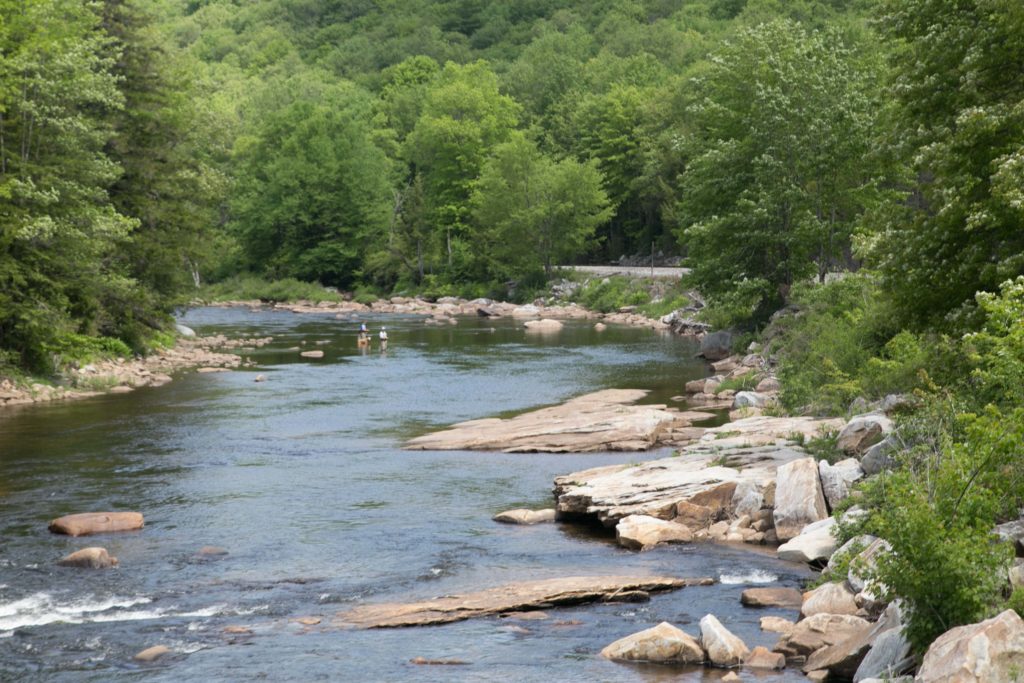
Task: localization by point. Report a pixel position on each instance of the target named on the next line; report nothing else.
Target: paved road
(631, 270)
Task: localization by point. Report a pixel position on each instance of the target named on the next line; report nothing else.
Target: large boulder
(879, 457)
(693, 516)
(749, 399)
(836, 480)
(716, 346)
(888, 657)
(747, 499)
(722, 647)
(640, 532)
(818, 631)
(184, 330)
(863, 431)
(816, 543)
(89, 558)
(661, 643)
(524, 516)
(86, 523)
(1013, 532)
(771, 597)
(992, 650)
(829, 598)
(843, 659)
(763, 658)
(799, 500)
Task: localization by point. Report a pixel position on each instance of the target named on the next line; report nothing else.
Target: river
(302, 480)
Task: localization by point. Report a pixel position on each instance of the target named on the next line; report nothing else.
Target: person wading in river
(383, 338)
(363, 340)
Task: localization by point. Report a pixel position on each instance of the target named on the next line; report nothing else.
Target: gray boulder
(716, 346)
(815, 543)
(888, 657)
(878, 458)
(836, 480)
(749, 399)
(863, 431)
(184, 330)
(799, 500)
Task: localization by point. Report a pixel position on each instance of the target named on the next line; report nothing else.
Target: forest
(857, 165)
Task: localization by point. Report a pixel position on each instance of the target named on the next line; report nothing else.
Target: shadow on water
(300, 479)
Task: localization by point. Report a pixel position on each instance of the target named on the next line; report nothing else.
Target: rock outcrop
(86, 523)
(606, 420)
(821, 630)
(829, 598)
(663, 643)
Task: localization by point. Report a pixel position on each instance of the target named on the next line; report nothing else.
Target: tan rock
(237, 630)
(543, 325)
(89, 558)
(799, 500)
(862, 432)
(514, 597)
(600, 421)
(777, 625)
(640, 532)
(308, 621)
(151, 654)
(817, 632)
(212, 551)
(817, 676)
(842, 659)
(991, 650)
(763, 658)
(695, 386)
(312, 354)
(600, 327)
(85, 523)
(693, 516)
(663, 643)
(523, 516)
(829, 598)
(771, 597)
(722, 647)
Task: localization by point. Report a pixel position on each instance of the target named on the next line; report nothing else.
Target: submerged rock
(771, 597)
(514, 597)
(89, 558)
(543, 325)
(151, 654)
(763, 658)
(86, 523)
(663, 643)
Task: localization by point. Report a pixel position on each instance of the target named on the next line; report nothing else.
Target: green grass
(249, 287)
(747, 382)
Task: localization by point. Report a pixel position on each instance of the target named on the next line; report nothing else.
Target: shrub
(247, 287)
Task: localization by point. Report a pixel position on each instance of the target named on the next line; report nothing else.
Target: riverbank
(447, 309)
(123, 375)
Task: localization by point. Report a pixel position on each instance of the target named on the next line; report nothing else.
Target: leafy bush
(962, 474)
(612, 293)
(997, 349)
(79, 348)
(248, 287)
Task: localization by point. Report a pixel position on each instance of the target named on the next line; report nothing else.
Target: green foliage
(962, 475)
(80, 349)
(779, 168)
(955, 228)
(824, 447)
(745, 382)
(612, 293)
(534, 212)
(251, 288)
(996, 350)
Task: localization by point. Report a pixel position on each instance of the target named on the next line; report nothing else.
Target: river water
(302, 480)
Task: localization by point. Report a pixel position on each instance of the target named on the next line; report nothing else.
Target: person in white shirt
(383, 338)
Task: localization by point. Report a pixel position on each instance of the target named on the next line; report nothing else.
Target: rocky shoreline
(123, 375)
(446, 309)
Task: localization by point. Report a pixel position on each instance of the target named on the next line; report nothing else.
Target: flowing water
(302, 480)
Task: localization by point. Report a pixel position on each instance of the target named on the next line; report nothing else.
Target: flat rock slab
(606, 420)
(515, 597)
(86, 523)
